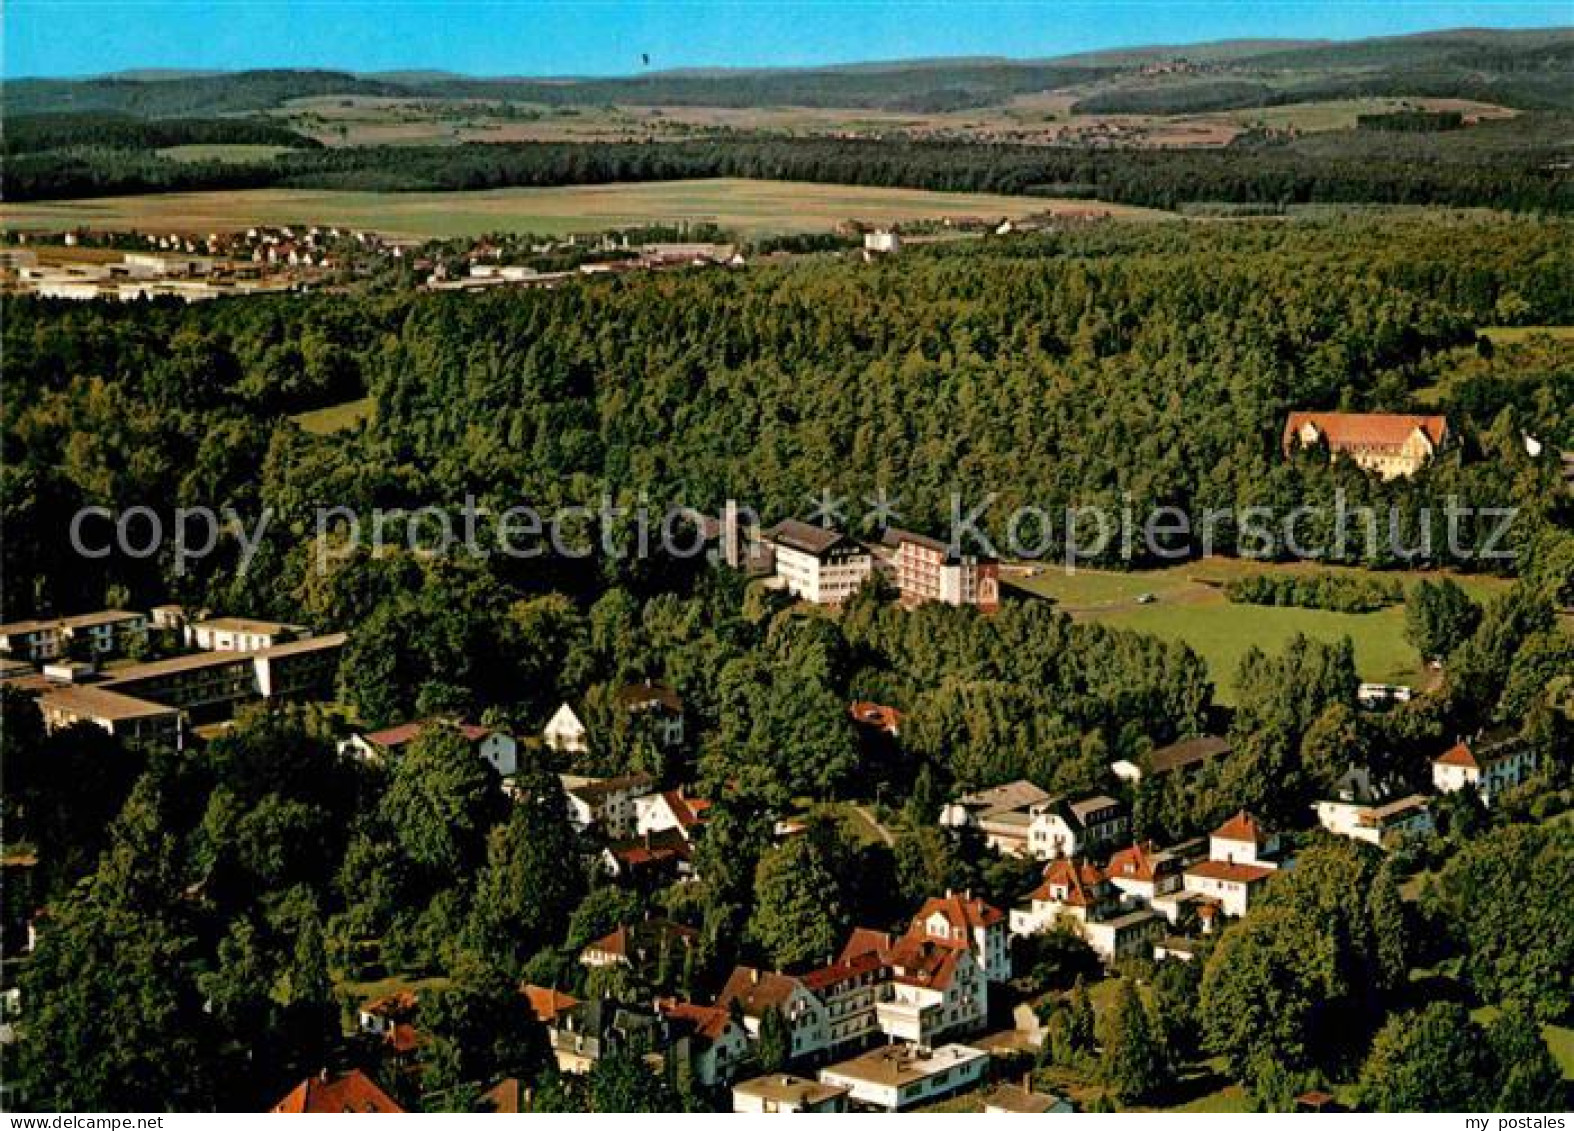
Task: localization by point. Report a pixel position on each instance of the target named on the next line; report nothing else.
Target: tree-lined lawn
(1187, 603)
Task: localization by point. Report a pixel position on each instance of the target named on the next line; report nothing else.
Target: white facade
(826, 579)
(1379, 825)
(564, 732)
(898, 1077)
(1489, 772)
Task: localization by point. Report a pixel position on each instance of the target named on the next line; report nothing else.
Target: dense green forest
(1504, 165)
(1117, 365)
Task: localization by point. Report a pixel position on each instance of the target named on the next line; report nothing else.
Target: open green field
(335, 418)
(751, 207)
(1189, 604)
(230, 154)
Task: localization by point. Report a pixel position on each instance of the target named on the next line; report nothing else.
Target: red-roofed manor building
(1391, 444)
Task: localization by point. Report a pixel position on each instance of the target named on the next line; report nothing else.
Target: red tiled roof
(547, 1004)
(1459, 755)
(1242, 827)
(393, 737)
(1076, 878)
(876, 715)
(650, 933)
(925, 962)
(403, 1038)
(688, 811)
(1230, 873)
(961, 912)
(1365, 430)
(709, 1021)
(395, 1006)
(353, 1092)
(864, 941)
(504, 1098)
(1134, 863)
(755, 991)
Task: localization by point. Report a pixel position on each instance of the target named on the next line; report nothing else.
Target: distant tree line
(1517, 180)
(34, 133)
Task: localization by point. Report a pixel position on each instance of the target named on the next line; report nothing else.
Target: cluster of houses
(70, 665)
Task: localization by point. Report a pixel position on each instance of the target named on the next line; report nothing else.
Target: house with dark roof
(1076, 826)
(605, 805)
(1181, 757)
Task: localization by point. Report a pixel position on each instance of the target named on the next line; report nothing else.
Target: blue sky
(544, 37)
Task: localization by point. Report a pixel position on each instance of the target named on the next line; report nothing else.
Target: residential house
(547, 1004)
(850, 989)
(348, 1093)
(817, 565)
(1066, 826)
(605, 804)
(714, 1044)
(1242, 858)
(241, 634)
(927, 569)
(1081, 897)
(583, 1034)
(650, 860)
(960, 919)
(494, 747)
(1489, 763)
(936, 989)
(876, 717)
(1001, 813)
(379, 1016)
(657, 702)
(1243, 839)
(1183, 757)
(644, 948)
(1390, 444)
(900, 1076)
(754, 992)
(670, 809)
(1381, 824)
(1144, 873)
(565, 733)
(782, 1093)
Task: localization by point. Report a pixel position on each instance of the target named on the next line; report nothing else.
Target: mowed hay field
(750, 207)
(1188, 604)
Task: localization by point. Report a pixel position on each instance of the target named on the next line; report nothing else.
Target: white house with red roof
(1242, 858)
(958, 918)
(1488, 764)
(498, 749)
(670, 809)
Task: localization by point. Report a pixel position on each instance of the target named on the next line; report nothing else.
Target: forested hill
(1528, 69)
(1150, 364)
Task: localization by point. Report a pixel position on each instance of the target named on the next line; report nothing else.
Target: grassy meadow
(1187, 603)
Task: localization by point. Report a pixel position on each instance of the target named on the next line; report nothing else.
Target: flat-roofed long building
(123, 716)
(897, 1077)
